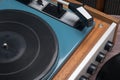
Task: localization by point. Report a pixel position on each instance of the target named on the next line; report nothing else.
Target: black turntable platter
(28, 46)
(110, 70)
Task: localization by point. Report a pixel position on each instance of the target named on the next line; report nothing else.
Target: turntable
(36, 41)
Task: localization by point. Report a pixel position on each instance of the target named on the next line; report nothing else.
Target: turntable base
(103, 23)
(80, 50)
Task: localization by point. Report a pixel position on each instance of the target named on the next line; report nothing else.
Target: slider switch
(40, 2)
(53, 10)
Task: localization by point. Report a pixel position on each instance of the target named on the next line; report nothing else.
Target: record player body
(38, 43)
(67, 38)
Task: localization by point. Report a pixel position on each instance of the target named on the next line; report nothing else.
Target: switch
(100, 57)
(109, 45)
(60, 7)
(52, 10)
(40, 2)
(91, 69)
(83, 78)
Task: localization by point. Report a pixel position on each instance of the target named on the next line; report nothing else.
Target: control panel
(96, 56)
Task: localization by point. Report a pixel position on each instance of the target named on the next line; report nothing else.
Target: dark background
(108, 6)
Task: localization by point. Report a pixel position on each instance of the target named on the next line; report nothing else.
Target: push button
(83, 78)
(108, 46)
(100, 57)
(91, 69)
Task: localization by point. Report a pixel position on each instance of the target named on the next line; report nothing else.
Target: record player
(36, 40)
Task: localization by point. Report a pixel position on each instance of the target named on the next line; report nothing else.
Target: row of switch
(100, 57)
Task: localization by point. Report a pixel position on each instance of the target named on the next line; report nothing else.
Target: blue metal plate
(68, 37)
